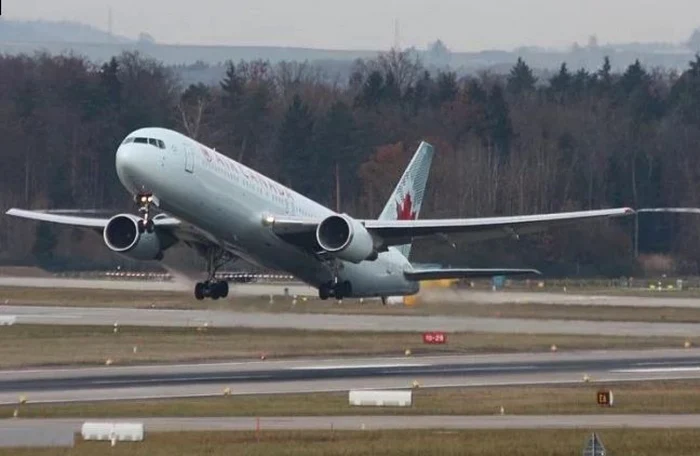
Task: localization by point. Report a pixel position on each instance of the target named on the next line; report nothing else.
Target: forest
(506, 144)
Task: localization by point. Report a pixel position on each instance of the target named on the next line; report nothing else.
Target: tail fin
(406, 200)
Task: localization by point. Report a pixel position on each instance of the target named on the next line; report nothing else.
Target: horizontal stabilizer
(468, 273)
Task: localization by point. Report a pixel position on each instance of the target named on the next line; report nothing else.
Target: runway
(368, 423)
(455, 295)
(309, 375)
(240, 289)
(49, 315)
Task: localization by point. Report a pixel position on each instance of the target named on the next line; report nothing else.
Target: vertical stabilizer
(406, 200)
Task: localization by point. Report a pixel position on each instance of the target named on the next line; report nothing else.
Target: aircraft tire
(324, 292)
(343, 290)
(199, 291)
(223, 288)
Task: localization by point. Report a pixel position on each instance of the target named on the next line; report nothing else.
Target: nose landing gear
(144, 202)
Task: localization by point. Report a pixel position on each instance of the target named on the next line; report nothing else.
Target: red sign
(434, 338)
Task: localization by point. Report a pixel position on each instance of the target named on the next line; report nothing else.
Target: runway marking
(354, 366)
(652, 370)
(668, 363)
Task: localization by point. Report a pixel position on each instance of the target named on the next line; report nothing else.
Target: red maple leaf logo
(404, 210)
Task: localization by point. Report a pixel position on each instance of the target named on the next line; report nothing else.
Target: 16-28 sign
(434, 337)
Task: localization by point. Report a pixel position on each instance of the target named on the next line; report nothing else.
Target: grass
(663, 397)
(37, 345)
(638, 442)
(178, 300)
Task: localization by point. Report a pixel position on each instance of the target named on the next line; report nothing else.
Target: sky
(463, 25)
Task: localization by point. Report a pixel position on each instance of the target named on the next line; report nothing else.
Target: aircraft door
(189, 158)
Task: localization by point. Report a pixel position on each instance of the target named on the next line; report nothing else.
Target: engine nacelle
(346, 238)
(121, 234)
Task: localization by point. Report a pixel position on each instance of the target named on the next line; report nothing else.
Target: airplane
(225, 210)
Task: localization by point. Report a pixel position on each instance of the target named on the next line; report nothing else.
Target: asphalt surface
(651, 299)
(374, 423)
(84, 384)
(298, 289)
(50, 315)
(239, 289)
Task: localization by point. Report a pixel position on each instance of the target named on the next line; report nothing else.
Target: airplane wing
(301, 231)
(468, 273)
(69, 217)
(96, 221)
(677, 210)
(397, 232)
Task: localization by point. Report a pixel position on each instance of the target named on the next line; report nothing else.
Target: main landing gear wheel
(338, 290)
(212, 288)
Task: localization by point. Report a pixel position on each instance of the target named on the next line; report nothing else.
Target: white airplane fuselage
(228, 202)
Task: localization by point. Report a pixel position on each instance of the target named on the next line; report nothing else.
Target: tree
(192, 106)
(337, 143)
(560, 84)
(296, 155)
(521, 78)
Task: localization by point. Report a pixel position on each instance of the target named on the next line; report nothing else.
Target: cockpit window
(152, 141)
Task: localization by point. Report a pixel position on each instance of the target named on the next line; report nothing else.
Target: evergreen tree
(521, 78)
(500, 129)
(298, 161)
(560, 84)
(337, 143)
(446, 89)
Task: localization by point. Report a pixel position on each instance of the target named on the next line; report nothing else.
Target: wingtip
(628, 210)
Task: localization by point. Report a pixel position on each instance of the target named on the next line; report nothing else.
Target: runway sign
(128, 432)
(434, 338)
(378, 398)
(605, 398)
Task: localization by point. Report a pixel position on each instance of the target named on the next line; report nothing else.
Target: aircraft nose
(132, 167)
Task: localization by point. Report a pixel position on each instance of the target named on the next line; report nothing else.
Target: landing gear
(212, 288)
(338, 290)
(144, 202)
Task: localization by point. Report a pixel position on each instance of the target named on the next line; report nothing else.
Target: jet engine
(346, 238)
(121, 234)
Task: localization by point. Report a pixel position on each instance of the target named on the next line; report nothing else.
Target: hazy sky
(369, 24)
